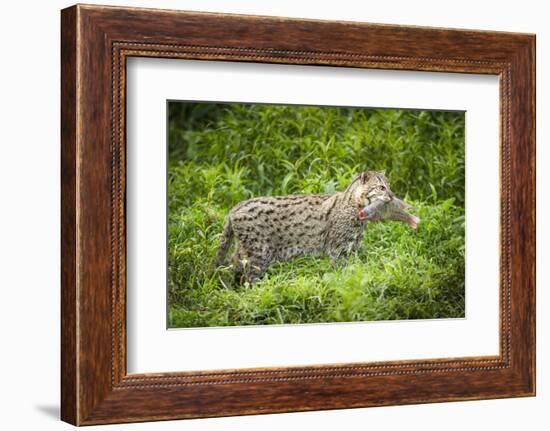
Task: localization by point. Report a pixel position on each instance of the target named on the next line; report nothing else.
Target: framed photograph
(264, 214)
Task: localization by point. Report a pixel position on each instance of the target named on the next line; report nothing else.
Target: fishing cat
(277, 228)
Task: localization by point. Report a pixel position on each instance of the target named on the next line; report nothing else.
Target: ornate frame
(95, 43)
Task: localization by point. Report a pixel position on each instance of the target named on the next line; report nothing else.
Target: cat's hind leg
(259, 259)
(256, 269)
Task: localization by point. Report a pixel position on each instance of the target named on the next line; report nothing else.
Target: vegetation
(221, 154)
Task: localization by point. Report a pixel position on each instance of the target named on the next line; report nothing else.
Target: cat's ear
(365, 176)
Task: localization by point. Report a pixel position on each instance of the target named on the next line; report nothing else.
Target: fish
(394, 209)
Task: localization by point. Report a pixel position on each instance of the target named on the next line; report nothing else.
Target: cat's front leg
(338, 259)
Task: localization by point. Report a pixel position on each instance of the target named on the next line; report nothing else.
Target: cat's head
(369, 187)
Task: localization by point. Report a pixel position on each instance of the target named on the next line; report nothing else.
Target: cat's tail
(225, 243)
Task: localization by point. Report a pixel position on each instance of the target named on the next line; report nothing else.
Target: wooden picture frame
(95, 43)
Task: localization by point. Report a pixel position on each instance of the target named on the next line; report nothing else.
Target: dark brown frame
(95, 43)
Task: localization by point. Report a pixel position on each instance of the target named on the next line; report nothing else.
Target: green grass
(222, 154)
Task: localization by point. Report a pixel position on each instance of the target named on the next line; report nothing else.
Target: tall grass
(221, 154)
